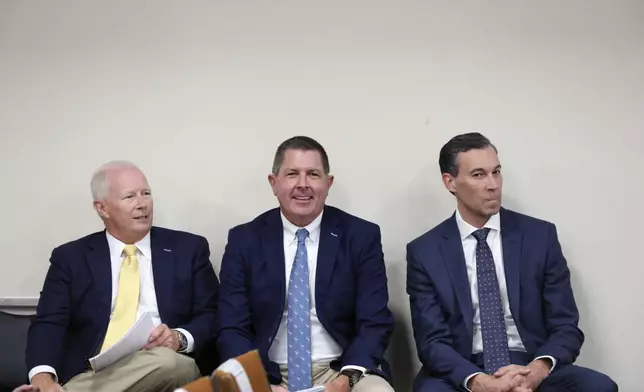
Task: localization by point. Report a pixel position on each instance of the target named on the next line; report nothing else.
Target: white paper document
(132, 342)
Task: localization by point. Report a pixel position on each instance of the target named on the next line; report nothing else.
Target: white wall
(200, 93)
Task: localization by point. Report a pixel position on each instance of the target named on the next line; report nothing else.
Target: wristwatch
(353, 375)
(183, 342)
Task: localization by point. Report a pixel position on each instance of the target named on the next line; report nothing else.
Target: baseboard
(19, 305)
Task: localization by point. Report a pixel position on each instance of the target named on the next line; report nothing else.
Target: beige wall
(199, 94)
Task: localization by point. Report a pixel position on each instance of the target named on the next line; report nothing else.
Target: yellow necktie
(127, 299)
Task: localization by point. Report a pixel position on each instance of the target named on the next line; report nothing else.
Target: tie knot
(130, 250)
(481, 234)
(301, 235)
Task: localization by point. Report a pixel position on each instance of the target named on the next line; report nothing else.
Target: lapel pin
(167, 250)
(333, 234)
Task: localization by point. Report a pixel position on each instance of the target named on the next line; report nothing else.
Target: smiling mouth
(143, 217)
(303, 198)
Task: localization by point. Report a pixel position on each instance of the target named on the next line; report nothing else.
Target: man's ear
(271, 180)
(448, 181)
(101, 209)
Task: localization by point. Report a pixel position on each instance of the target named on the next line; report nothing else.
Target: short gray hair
(99, 184)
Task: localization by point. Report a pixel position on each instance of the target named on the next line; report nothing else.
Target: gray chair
(13, 342)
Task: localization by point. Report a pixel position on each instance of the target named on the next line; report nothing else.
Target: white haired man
(98, 286)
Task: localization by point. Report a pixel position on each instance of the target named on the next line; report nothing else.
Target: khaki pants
(322, 374)
(159, 369)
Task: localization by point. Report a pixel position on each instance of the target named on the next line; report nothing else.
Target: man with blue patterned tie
(306, 285)
(491, 301)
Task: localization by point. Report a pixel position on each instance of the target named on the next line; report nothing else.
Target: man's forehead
(127, 178)
(303, 167)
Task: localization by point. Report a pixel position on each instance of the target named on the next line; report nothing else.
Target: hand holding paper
(132, 342)
(162, 336)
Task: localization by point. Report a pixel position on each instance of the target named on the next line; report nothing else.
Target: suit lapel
(455, 262)
(163, 260)
(272, 237)
(330, 239)
(100, 266)
(512, 238)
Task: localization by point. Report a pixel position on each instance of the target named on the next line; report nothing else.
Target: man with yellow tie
(98, 286)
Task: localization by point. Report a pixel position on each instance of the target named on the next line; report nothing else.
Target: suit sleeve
(560, 310)
(374, 321)
(235, 337)
(48, 331)
(205, 289)
(434, 340)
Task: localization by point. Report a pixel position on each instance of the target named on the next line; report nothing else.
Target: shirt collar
(116, 246)
(466, 229)
(313, 228)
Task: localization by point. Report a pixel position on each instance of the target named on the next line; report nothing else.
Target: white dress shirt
(147, 293)
(323, 347)
(469, 249)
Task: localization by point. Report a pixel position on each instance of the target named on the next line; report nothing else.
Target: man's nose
(302, 181)
(141, 203)
(492, 183)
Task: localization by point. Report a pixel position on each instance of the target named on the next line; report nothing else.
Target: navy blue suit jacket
(539, 291)
(75, 302)
(350, 290)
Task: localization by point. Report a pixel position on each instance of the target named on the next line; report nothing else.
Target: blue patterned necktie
(299, 320)
(496, 353)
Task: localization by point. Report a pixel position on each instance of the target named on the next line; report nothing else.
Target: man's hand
(510, 381)
(278, 388)
(44, 382)
(162, 336)
(539, 370)
(340, 384)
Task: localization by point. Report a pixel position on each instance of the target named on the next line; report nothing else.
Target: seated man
(306, 284)
(99, 285)
(491, 301)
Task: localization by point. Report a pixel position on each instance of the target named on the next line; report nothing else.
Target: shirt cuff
(554, 361)
(43, 369)
(354, 367)
(189, 338)
(468, 380)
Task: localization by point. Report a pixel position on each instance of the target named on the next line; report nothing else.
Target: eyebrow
(480, 169)
(292, 169)
(130, 191)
